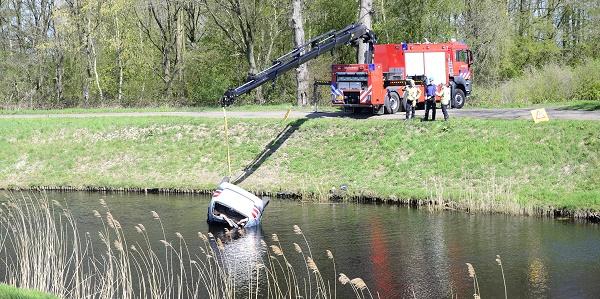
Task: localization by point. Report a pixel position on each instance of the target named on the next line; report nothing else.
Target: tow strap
(227, 142)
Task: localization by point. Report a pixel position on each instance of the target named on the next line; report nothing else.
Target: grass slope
(276, 107)
(10, 292)
(549, 164)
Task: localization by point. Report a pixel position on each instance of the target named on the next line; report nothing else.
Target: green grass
(10, 292)
(563, 105)
(582, 105)
(550, 164)
(277, 107)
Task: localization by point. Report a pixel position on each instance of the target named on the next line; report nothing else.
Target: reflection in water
(242, 251)
(538, 277)
(380, 260)
(536, 271)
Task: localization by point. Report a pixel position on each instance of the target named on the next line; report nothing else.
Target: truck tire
(392, 103)
(459, 99)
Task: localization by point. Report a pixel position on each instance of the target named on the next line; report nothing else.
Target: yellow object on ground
(539, 115)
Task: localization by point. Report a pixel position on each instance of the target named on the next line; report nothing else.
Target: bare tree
(194, 22)
(162, 26)
(302, 70)
(85, 17)
(249, 26)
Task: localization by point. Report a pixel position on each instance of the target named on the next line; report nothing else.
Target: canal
(396, 250)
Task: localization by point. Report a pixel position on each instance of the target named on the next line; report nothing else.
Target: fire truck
(377, 84)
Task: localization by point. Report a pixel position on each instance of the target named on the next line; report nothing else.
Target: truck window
(461, 55)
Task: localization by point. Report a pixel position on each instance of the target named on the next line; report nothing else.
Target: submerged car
(235, 207)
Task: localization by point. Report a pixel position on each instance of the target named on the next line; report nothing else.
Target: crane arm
(311, 50)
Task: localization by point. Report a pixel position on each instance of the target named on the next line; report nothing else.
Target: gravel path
(471, 113)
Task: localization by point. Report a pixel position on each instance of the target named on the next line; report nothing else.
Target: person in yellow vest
(412, 96)
(444, 94)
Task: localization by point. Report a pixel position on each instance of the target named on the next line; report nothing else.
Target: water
(395, 250)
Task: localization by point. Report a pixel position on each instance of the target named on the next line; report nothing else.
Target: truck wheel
(459, 99)
(392, 103)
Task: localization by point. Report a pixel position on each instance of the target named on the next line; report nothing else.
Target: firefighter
(430, 91)
(444, 94)
(412, 96)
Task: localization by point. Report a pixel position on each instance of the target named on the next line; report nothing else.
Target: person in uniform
(412, 96)
(444, 94)
(430, 91)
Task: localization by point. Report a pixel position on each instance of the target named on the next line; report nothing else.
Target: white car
(235, 207)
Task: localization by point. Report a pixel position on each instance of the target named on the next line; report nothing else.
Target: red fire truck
(378, 84)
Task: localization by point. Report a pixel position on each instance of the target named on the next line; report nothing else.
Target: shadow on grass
(584, 106)
(284, 135)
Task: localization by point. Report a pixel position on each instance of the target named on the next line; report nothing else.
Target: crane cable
(227, 142)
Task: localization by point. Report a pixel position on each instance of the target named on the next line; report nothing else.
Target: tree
(302, 70)
(162, 25)
(365, 12)
(486, 28)
(248, 25)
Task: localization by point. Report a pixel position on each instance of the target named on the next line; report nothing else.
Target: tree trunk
(95, 69)
(58, 84)
(253, 70)
(302, 70)
(119, 61)
(364, 17)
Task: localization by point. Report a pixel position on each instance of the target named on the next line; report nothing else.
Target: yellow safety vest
(412, 93)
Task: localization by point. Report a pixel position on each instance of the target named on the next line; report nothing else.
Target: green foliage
(552, 83)
(64, 50)
(212, 75)
(587, 81)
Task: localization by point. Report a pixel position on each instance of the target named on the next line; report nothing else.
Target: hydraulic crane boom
(311, 50)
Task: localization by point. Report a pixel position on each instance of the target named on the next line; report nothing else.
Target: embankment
(478, 165)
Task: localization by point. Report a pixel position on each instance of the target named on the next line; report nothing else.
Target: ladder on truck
(310, 50)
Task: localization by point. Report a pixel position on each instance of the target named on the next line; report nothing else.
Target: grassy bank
(10, 292)
(275, 107)
(482, 164)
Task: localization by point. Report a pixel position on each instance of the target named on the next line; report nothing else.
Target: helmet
(431, 80)
(411, 82)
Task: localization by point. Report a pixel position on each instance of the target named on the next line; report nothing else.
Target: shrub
(549, 84)
(587, 81)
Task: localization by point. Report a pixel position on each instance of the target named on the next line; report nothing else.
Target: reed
(43, 249)
(499, 261)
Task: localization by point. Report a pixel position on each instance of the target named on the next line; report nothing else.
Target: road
(468, 113)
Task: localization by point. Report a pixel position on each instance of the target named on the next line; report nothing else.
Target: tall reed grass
(42, 248)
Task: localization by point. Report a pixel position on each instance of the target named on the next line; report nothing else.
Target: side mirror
(469, 57)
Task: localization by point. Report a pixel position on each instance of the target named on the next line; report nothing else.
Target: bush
(550, 84)
(587, 81)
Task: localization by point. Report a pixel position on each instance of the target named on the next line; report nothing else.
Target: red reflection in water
(380, 260)
(458, 268)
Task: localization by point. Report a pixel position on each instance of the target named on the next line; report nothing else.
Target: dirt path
(470, 113)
